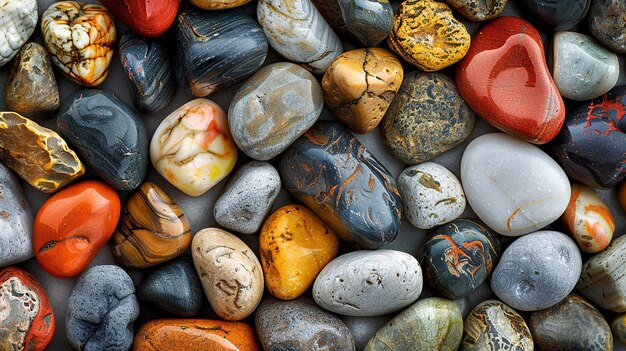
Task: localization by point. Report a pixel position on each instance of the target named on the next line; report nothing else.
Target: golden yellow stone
(426, 34)
(295, 245)
(218, 4)
(359, 86)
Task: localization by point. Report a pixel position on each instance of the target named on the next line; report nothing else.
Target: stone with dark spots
(607, 22)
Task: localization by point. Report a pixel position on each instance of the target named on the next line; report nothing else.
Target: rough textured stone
(18, 19)
(478, 10)
(16, 220)
(607, 23)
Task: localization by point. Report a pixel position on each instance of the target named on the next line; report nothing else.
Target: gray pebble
(16, 220)
(368, 20)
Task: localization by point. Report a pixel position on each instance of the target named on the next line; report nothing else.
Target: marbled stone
(248, 197)
(145, 17)
(298, 32)
(537, 271)
(426, 34)
(192, 147)
(618, 327)
(557, 14)
(273, 108)
(359, 86)
(504, 78)
(429, 324)
(458, 257)
(478, 10)
(37, 154)
(216, 49)
(218, 4)
(513, 186)
(108, 135)
(16, 220)
(330, 10)
(607, 24)
(369, 283)
(18, 19)
(300, 325)
(332, 173)
(432, 195)
(368, 20)
(81, 39)
(101, 310)
(31, 88)
(426, 118)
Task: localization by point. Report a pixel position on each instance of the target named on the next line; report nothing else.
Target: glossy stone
(108, 135)
(81, 39)
(31, 88)
(147, 65)
(18, 19)
(426, 34)
(27, 321)
(330, 10)
(294, 246)
(557, 14)
(426, 118)
(504, 78)
(476, 10)
(359, 86)
(248, 197)
(458, 257)
(606, 22)
(537, 271)
(192, 147)
(153, 229)
(101, 310)
(147, 18)
(492, 325)
(16, 220)
(230, 273)
(273, 108)
(590, 148)
(513, 186)
(73, 225)
(429, 324)
(37, 154)
(216, 49)
(342, 193)
(219, 4)
(368, 20)
(297, 31)
(618, 327)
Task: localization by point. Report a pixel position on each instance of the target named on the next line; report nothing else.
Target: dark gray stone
(607, 24)
(368, 20)
(557, 14)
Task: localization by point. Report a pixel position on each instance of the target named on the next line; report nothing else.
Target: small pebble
(618, 326)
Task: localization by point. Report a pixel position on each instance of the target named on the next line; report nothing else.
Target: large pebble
(16, 220)
(478, 10)
(18, 19)
(607, 24)
(368, 20)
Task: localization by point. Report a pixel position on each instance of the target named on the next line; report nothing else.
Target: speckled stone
(537, 271)
(607, 24)
(16, 220)
(557, 14)
(478, 10)
(618, 327)
(426, 118)
(368, 20)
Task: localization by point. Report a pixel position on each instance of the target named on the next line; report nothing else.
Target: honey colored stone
(295, 245)
(426, 34)
(218, 4)
(359, 86)
(37, 154)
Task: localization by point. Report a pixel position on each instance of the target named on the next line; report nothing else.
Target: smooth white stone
(18, 19)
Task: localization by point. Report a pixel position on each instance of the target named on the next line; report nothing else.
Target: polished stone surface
(368, 20)
(16, 220)
(145, 17)
(557, 14)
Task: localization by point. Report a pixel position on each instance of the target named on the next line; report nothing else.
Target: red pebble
(148, 18)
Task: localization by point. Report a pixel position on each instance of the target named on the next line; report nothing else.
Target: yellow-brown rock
(295, 245)
(218, 4)
(359, 86)
(426, 34)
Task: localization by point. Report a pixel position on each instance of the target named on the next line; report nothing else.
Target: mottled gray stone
(606, 22)
(16, 220)
(368, 20)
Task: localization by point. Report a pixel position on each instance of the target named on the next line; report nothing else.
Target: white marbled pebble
(18, 19)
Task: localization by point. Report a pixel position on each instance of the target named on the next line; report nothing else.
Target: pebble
(101, 310)
(147, 18)
(504, 94)
(476, 10)
(369, 283)
(426, 34)
(173, 287)
(73, 225)
(81, 39)
(108, 135)
(537, 271)
(458, 257)
(248, 198)
(573, 324)
(432, 195)
(297, 31)
(152, 229)
(27, 321)
(368, 20)
(230, 273)
(359, 86)
(31, 88)
(300, 325)
(192, 147)
(216, 49)
(332, 173)
(492, 325)
(16, 220)
(606, 22)
(18, 19)
(618, 326)
(559, 15)
(294, 244)
(218, 4)
(429, 324)
(37, 154)
(273, 108)
(589, 220)
(513, 186)
(330, 10)
(621, 195)
(426, 118)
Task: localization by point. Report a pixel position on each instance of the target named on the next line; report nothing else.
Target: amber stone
(153, 229)
(37, 154)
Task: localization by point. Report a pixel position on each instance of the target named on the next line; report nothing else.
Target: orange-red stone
(147, 18)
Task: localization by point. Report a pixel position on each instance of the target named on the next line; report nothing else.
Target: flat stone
(16, 220)
(477, 10)
(618, 327)
(18, 19)
(218, 4)
(557, 14)
(368, 20)
(606, 22)
(147, 18)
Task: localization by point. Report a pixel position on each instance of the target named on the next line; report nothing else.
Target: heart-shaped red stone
(148, 18)
(504, 78)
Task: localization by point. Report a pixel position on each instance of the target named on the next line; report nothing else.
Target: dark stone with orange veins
(459, 256)
(333, 174)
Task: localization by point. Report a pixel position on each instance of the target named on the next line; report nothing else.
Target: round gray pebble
(16, 220)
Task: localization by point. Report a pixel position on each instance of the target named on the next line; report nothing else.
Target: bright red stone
(148, 18)
(504, 78)
(73, 225)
